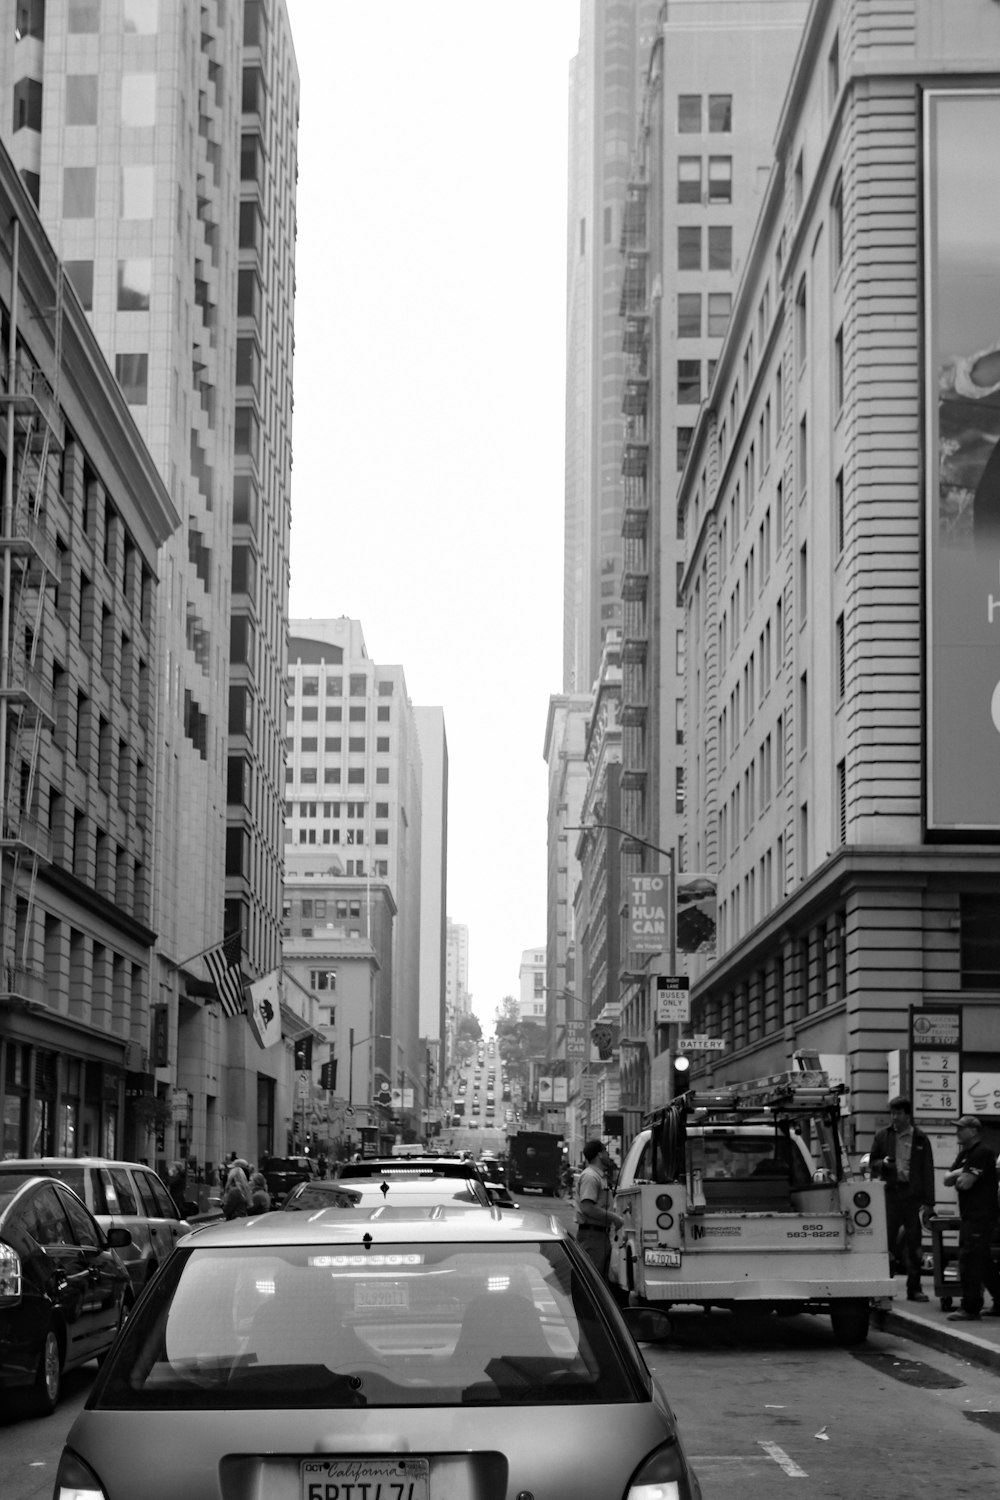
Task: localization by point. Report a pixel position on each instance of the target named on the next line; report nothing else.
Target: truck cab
(745, 1196)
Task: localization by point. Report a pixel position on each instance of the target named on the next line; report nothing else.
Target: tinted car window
(123, 1191)
(144, 1188)
(99, 1189)
(165, 1207)
(85, 1231)
(272, 1327)
(45, 1219)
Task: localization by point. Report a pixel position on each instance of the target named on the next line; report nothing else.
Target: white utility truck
(744, 1197)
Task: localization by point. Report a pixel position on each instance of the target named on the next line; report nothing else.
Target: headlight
(74, 1481)
(660, 1477)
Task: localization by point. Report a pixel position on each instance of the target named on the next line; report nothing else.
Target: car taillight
(75, 1481)
(660, 1477)
(10, 1272)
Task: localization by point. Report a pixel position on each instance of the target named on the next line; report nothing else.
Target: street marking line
(782, 1459)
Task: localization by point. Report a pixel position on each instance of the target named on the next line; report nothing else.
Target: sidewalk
(927, 1323)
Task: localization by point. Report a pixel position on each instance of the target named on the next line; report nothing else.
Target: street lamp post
(669, 855)
(375, 1036)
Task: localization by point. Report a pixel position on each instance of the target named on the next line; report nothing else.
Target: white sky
(427, 495)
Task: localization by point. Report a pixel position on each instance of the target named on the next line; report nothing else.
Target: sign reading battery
(673, 1002)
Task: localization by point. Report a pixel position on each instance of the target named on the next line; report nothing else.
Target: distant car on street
(282, 1173)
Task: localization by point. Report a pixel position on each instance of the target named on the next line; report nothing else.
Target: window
(720, 247)
(333, 713)
(308, 776)
(80, 274)
(132, 374)
(838, 510)
(689, 247)
(358, 685)
(137, 192)
(720, 179)
(801, 325)
(135, 283)
(385, 689)
(331, 776)
(83, 16)
(356, 776)
(799, 183)
(689, 114)
(689, 315)
(689, 179)
(720, 114)
(79, 188)
(140, 16)
(979, 942)
(381, 809)
(842, 801)
(684, 436)
(356, 742)
(332, 744)
(837, 226)
(803, 713)
(803, 581)
(688, 382)
(803, 455)
(382, 744)
(138, 104)
(719, 307)
(838, 372)
(841, 662)
(833, 72)
(81, 99)
(356, 714)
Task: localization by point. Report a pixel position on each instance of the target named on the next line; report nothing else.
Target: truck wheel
(850, 1320)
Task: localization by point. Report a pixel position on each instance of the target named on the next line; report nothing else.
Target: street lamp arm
(614, 828)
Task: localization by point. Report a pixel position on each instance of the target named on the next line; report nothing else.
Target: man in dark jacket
(974, 1177)
(902, 1157)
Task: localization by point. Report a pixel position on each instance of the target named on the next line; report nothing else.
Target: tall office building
(159, 142)
(456, 989)
(353, 810)
(606, 78)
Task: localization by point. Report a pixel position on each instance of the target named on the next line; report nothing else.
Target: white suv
(122, 1195)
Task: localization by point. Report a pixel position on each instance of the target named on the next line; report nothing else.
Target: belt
(590, 1229)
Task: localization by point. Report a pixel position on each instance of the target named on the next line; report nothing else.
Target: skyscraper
(159, 143)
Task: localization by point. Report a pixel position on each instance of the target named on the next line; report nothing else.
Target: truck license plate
(661, 1257)
(364, 1478)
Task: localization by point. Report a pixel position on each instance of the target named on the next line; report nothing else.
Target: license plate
(661, 1257)
(364, 1479)
(380, 1296)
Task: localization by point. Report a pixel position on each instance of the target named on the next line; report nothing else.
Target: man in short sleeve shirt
(594, 1214)
(974, 1177)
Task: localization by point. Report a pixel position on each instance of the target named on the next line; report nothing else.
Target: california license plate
(380, 1295)
(364, 1479)
(661, 1257)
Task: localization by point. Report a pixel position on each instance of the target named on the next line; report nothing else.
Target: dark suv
(282, 1173)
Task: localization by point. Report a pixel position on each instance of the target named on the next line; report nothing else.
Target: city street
(762, 1404)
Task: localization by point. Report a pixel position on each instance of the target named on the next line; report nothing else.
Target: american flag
(224, 966)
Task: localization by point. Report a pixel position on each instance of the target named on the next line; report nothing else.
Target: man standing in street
(974, 1176)
(594, 1214)
(903, 1157)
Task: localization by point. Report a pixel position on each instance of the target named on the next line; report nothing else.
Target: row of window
(689, 314)
(333, 713)
(333, 686)
(334, 809)
(691, 114)
(309, 776)
(693, 186)
(353, 837)
(309, 743)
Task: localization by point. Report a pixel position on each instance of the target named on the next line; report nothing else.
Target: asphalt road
(764, 1405)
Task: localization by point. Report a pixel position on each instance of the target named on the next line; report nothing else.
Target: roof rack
(797, 1090)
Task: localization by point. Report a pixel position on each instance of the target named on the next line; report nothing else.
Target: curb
(965, 1345)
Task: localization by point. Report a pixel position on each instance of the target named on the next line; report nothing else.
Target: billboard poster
(648, 912)
(961, 270)
(697, 914)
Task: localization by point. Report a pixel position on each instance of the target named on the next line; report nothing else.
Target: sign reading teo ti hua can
(647, 914)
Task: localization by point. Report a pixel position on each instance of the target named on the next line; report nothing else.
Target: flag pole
(236, 932)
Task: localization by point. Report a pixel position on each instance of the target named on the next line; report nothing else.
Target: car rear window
(400, 1324)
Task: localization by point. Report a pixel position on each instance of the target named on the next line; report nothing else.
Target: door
(62, 1272)
(105, 1277)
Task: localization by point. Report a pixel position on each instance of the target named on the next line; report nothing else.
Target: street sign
(673, 1002)
(305, 1079)
(701, 1044)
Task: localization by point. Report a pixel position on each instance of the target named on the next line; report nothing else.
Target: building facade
(159, 144)
(84, 513)
(837, 514)
(353, 811)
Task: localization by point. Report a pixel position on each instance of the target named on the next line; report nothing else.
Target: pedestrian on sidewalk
(902, 1156)
(594, 1214)
(974, 1176)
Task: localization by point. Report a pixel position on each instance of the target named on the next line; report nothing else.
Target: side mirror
(647, 1325)
(118, 1238)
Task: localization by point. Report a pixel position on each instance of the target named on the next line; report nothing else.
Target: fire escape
(29, 409)
(636, 541)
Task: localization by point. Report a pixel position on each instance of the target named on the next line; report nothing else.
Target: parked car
(281, 1173)
(64, 1291)
(120, 1195)
(410, 1356)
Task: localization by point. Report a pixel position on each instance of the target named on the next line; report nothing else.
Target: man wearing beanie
(594, 1214)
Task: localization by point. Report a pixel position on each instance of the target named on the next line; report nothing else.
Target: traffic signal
(304, 1054)
(681, 1069)
(328, 1074)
